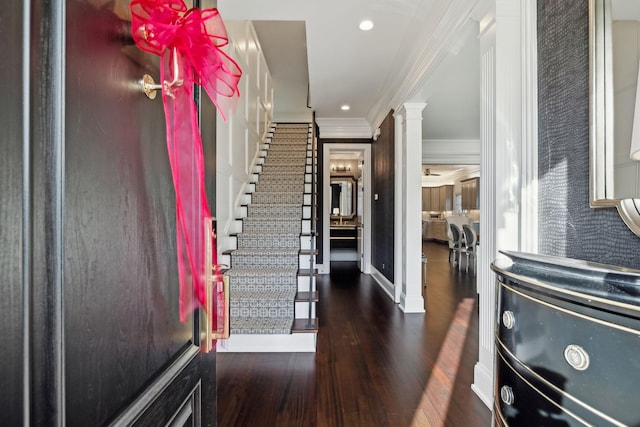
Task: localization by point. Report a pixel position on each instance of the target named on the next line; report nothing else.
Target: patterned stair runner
(263, 276)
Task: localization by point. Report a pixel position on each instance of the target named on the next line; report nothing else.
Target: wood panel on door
(11, 221)
(88, 274)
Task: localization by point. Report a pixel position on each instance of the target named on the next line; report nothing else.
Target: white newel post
(501, 130)
(411, 300)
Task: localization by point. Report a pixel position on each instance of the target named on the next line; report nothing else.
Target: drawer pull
(576, 357)
(506, 394)
(508, 319)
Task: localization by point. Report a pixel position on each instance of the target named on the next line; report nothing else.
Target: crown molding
(448, 18)
(344, 128)
(451, 151)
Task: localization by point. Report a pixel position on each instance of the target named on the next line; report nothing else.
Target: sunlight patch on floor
(434, 402)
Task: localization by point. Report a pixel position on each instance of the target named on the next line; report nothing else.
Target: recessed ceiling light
(366, 25)
(345, 107)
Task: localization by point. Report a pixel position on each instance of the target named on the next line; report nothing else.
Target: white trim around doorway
(327, 150)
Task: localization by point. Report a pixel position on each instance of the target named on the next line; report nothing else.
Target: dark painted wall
(568, 226)
(383, 172)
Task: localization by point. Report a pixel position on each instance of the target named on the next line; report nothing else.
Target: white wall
(301, 117)
(238, 140)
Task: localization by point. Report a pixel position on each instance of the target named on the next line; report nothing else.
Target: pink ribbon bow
(189, 42)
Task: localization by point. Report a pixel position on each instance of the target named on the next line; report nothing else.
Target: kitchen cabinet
(434, 230)
(426, 198)
(439, 231)
(437, 198)
(470, 193)
(446, 198)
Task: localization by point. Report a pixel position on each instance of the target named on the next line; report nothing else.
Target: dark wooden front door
(88, 277)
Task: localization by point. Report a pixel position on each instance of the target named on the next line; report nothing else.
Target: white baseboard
(323, 268)
(289, 343)
(384, 283)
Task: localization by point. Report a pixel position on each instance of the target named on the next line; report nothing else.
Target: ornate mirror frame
(351, 180)
(601, 134)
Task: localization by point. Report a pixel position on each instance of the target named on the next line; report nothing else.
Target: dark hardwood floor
(374, 366)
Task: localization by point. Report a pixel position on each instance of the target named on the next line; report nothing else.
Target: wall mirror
(343, 196)
(614, 48)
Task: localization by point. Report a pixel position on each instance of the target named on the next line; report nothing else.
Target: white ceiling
(419, 50)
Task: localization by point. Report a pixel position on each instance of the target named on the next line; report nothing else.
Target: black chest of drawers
(567, 338)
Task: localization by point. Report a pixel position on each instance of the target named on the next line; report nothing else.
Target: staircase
(271, 283)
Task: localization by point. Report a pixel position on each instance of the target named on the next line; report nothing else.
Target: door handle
(149, 86)
(220, 332)
(216, 284)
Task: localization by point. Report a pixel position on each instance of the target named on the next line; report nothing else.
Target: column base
(483, 384)
(411, 304)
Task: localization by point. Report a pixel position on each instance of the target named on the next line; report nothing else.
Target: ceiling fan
(427, 172)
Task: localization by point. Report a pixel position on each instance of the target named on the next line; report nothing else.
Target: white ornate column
(504, 140)
(411, 300)
(398, 248)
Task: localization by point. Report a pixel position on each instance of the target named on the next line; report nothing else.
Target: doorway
(346, 205)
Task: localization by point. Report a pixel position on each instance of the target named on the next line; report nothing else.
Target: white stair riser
(305, 261)
(224, 259)
(303, 283)
(305, 242)
(236, 226)
(302, 310)
(306, 212)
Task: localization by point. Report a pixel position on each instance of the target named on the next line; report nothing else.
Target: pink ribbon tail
(167, 28)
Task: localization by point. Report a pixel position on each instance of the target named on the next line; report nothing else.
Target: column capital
(411, 110)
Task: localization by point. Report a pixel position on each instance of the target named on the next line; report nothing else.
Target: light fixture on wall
(340, 168)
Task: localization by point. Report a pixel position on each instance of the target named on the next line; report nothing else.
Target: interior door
(88, 257)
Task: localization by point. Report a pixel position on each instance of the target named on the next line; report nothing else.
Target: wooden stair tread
(302, 326)
(308, 252)
(303, 296)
